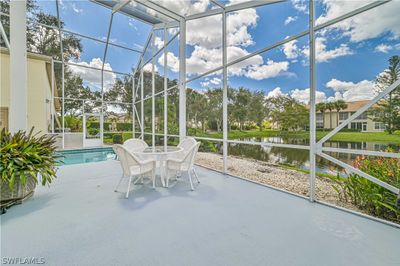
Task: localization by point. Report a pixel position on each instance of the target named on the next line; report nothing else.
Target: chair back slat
(126, 158)
(135, 145)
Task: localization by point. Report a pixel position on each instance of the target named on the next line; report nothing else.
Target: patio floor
(79, 220)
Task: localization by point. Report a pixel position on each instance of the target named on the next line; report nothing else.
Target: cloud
(76, 9)
(350, 91)
(172, 61)
(367, 25)
(149, 68)
(290, 19)
(291, 50)
(275, 93)
(184, 7)
(303, 95)
(300, 5)
(159, 43)
(269, 70)
(322, 52)
(207, 81)
(385, 48)
(93, 76)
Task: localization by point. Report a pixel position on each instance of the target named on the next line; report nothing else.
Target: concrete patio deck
(79, 220)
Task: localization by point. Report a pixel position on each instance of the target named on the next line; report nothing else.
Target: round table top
(160, 150)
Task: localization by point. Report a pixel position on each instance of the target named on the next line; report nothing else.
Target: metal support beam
(182, 80)
(165, 86)
(133, 105)
(160, 9)
(359, 172)
(18, 67)
(142, 103)
(313, 118)
(234, 7)
(224, 95)
(359, 112)
(120, 5)
(4, 36)
(153, 91)
(62, 75)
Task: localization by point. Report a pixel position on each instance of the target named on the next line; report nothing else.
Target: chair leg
(195, 174)
(166, 177)
(129, 187)
(115, 189)
(153, 176)
(190, 179)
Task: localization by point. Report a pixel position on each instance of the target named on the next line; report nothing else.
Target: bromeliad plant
(368, 196)
(26, 155)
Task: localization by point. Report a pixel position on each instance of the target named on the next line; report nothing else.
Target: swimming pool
(86, 155)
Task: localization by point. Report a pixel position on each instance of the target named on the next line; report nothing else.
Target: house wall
(39, 91)
(327, 124)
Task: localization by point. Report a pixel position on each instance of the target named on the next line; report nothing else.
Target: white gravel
(273, 175)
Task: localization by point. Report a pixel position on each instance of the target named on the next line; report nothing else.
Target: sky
(350, 54)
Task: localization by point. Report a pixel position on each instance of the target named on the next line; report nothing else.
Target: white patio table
(160, 154)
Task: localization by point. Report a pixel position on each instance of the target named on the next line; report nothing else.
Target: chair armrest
(176, 160)
(146, 161)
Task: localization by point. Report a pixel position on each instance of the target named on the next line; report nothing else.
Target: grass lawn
(341, 136)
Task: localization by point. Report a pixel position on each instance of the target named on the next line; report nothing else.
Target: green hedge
(120, 126)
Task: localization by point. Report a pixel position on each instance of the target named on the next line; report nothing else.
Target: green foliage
(23, 154)
(288, 113)
(387, 111)
(368, 196)
(117, 139)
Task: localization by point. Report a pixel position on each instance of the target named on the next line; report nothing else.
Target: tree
(240, 106)
(321, 107)
(288, 113)
(339, 105)
(387, 111)
(330, 106)
(258, 110)
(215, 108)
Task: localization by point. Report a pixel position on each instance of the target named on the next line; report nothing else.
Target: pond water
(300, 158)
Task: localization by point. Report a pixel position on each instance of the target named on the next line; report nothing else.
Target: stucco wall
(39, 92)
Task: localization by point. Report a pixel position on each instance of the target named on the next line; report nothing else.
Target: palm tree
(330, 106)
(321, 107)
(339, 105)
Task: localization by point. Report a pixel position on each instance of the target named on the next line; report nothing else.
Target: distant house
(363, 123)
(39, 91)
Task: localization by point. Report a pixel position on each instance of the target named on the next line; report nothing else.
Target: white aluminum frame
(315, 148)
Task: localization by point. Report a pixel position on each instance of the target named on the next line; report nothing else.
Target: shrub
(117, 139)
(368, 196)
(26, 155)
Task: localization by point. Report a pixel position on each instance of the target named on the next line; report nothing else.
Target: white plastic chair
(132, 166)
(135, 145)
(184, 164)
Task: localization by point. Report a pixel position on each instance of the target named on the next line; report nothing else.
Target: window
(379, 126)
(363, 116)
(356, 125)
(319, 117)
(343, 115)
(320, 125)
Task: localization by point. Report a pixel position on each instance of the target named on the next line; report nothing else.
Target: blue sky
(350, 54)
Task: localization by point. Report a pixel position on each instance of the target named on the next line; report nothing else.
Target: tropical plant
(339, 105)
(321, 107)
(367, 195)
(24, 155)
(330, 106)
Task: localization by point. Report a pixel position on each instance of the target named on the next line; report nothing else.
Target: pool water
(86, 155)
